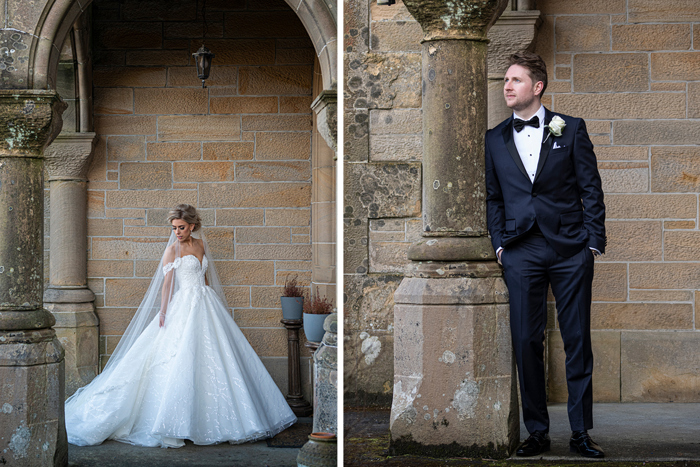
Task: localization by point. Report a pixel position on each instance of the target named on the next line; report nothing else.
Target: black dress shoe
(582, 443)
(537, 443)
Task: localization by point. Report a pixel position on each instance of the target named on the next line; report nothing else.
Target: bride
(183, 369)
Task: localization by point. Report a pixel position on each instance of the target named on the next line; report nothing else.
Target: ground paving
(115, 454)
(631, 435)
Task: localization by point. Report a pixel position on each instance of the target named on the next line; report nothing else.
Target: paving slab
(629, 433)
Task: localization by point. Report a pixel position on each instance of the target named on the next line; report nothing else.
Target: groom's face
(519, 90)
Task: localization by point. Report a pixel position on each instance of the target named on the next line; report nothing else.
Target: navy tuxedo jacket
(566, 198)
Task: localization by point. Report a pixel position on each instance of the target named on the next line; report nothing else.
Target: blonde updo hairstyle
(187, 213)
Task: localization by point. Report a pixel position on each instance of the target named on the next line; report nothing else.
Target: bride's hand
(162, 319)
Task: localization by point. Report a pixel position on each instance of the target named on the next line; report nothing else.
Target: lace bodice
(189, 272)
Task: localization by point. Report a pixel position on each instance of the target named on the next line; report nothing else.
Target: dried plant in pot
(316, 310)
(292, 299)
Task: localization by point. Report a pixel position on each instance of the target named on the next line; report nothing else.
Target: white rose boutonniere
(556, 126)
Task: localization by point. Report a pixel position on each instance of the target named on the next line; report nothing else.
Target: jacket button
(534, 195)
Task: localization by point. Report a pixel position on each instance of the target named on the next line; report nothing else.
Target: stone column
(454, 385)
(68, 296)
(514, 31)
(32, 425)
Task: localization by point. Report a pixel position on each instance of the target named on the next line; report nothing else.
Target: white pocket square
(556, 146)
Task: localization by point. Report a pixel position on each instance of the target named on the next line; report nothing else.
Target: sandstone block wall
(239, 150)
(630, 69)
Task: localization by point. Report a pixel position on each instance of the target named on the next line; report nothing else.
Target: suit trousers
(530, 265)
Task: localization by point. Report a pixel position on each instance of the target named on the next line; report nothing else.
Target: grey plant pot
(313, 326)
(292, 307)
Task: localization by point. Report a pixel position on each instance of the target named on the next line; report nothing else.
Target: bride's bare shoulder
(170, 254)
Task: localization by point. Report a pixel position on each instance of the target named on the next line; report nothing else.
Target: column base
(454, 373)
(32, 421)
(77, 328)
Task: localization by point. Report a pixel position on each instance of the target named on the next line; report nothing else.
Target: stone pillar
(326, 379)
(68, 296)
(514, 31)
(454, 385)
(32, 425)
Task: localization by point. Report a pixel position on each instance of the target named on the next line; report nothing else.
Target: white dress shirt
(528, 141)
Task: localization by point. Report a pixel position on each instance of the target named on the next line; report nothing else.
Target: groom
(546, 219)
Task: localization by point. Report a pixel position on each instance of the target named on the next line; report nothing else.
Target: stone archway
(35, 37)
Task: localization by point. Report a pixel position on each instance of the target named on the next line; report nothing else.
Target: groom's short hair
(534, 65)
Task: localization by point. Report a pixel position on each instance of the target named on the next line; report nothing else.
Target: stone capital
(450, 19)
(326, 108)
(69, 155)
(32, 119)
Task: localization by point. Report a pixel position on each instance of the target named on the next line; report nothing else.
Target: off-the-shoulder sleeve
(170, 266)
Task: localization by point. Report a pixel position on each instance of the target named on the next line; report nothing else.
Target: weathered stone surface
(624, 177)
(660, 366)
(247, 273)
(123, 76)
(641, 316)
(664, 275)
(661, 296)
(273, 252)
(356, 147)
(681, 246)
(384, 81)
(157, 57)
(203, 171)
(276, 123)
(228, 151)
(243, 105)
(610, 282)
(396, 148)
(622, 105)
(299, 217)
(123, 293)
(370, 302)
(606, 367)
(396, 122)
(148, 176)
(621, 153)
(113, 101)
(275, 80)
(148, 199)
(633, 241)
(368, 367)
(382, 190)
(615, 72)
(659, 132)
(651, 37)
(125, 124)
(129, 35)
(675, 66)
(164, 101)
(582, 33)
(647, 11)
(395, 36)
(282, 146)
(674, 169)
(651, 206)
(127, 248)
(250, 195)
(198, 127)
(273, 171)
(670, 225)
(268, 342)
(240, 51)
(173, 151)
(578, 8)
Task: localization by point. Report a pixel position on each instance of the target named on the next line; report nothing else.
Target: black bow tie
(519, 124)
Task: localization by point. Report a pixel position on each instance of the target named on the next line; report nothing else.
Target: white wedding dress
(196, 378)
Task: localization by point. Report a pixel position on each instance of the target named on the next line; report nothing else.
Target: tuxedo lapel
(510, 144)
(547, 143)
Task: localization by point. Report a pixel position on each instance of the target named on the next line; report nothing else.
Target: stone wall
(630, 69)
(239, 150)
